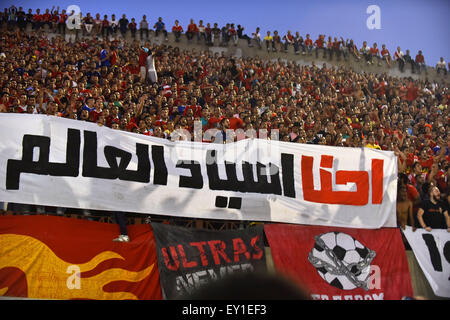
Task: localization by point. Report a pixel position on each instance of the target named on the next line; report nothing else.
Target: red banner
(52, 257)
(341, 263)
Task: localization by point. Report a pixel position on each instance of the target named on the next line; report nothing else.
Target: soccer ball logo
(341, 260)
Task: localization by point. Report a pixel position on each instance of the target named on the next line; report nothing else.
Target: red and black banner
(342, 263)
(191, 258)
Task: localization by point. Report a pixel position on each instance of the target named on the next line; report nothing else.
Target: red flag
(49, 257)
(341, 263)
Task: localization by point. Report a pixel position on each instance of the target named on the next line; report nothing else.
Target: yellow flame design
(47, 275)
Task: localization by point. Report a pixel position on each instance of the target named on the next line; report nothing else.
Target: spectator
(404, 208)
(37, 20)
(371, 142)
(224, 34)
(143, 27)
(288, 40)
(337, 48)
(192, 30)
(441, 66)
(268, 40)
(232, 34)
(106, 28)
(353, 50)
(399, 57)
(21, 19)
(97, 24)
(45, 18)
(215, 34)
(385, 55)
(319, 44)
(132, 26)
(177, 30)
(329, 47)
(365, 51)
(123, 25)
(113, 25)
(201, 31)
(420, 62)
(208, 33)
(433, 214)
(375, 53)
(29, 17)
(409, 59)
(308, 44)
(298, 42)
(276, 41)
(343, 49)
(54, 19)
(160, 27)
(241, 35)
(88, 22)
(256, 36)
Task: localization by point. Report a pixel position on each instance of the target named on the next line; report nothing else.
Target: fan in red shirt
(195, 107)
(308, 43)
(234, 120)
(235, 123)
(386, 55)
(215, 119)
(46, 16)
(191, 30)
(37, 20)
(177, 30)
(163, 119)
(420, 61)
(380, 88)
(442, 179)
(132, 68)
(320, 45)
(319, 42)
(412, 92)
(133, 27)
(374, 52)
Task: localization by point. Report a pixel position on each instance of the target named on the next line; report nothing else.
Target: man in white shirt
(257, 37)
(398, 56)
(365, 51)
(143, 26)
(441, 65)
(114, 24)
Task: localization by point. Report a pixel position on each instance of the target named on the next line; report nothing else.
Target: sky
(410, 24)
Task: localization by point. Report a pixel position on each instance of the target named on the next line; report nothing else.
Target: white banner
(432, 251)
(53, 161)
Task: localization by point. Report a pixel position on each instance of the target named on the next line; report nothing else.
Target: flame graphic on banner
(47, 275)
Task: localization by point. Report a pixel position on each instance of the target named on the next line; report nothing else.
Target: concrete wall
(243, 50)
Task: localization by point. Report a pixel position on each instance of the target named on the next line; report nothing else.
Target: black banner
(190, 258)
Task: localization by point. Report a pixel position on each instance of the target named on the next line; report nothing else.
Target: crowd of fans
(105, 81)
(60, 22)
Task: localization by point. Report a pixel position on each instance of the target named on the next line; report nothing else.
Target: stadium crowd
(105, 80)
